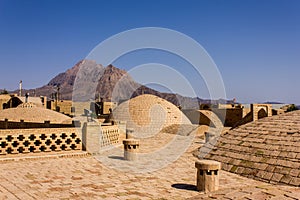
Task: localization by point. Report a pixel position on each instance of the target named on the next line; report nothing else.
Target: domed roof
(34, 114)
(5, 97)
(267, 149)
(149, 114)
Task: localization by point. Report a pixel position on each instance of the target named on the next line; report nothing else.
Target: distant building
(102, 108)
(232, 115)
(63, 106)
(13, 101)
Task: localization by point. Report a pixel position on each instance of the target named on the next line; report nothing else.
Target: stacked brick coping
(267, 149)
(6, 124)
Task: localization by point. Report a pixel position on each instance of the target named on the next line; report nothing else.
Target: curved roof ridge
(33, 114)
(267, 149)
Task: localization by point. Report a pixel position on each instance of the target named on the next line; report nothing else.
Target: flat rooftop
(108, 176)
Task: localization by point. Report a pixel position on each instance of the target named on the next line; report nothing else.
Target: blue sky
(255, 44)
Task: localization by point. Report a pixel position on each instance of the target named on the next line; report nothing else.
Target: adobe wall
(246, 111)
(80, 106)
(194, 116)
(107, 106)
(203, 117)
(257, 111)
(229, 116)
(96, 137)
(27, 141)
(3, 101)
(63, 106)
(91, 137)
(257, 108)
(232, 115)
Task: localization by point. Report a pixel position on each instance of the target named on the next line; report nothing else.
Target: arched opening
(13, 102)
(262, 113)
(206, 107)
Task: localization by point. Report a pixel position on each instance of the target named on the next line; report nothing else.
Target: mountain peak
(111, 66)
(113, 84)
(111, 69)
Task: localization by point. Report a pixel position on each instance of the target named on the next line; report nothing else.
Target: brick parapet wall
(24, 141)
(91, 138)
(96, 137)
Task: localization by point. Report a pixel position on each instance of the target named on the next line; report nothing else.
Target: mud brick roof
(149, 114)
(34, 114)
(267, 149)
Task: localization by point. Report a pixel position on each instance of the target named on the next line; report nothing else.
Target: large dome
(267, 149)
(34, 114)
(148, 114)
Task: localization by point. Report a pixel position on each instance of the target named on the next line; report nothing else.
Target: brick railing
(28, 141)
(24, 141)
(95, 137)
(109, 136)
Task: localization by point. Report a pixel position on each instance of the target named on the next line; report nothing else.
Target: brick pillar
(254, 112)
(129, 133)
(45, 102)
(5, 123)
(269, 107)
(91, 137)
(47, 124)
(22, 125)
(76, 123)
(122, 126)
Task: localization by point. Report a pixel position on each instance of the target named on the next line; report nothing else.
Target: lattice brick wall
(39, 142)
(109, 136)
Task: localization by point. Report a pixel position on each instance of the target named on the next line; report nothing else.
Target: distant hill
(111, 83)
(272, 102)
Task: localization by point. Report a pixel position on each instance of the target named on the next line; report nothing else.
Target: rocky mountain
(88, 80)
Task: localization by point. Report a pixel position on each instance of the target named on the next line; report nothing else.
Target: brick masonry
(267, 149)
(5, 124)
(96, 137)
(27, 141)
(148, 114)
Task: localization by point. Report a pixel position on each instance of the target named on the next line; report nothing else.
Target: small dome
(34, 114)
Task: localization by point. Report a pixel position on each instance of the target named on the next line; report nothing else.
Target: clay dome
(148, 114)
(34, 114)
